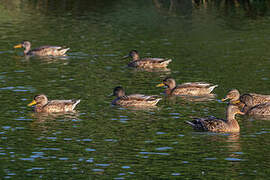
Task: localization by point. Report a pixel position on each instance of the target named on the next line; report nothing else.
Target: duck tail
(157, 100)
(167, 61)
(63, 51)
(211, 88)
(190, 123)
(75, 103)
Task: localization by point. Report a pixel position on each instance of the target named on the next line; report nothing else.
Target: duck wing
(208, 124)
(49, 50)
(137, 100)
(150, 63)
(258, 98)
(61, 105)
(194, 88)
(139, 97)
(42, 48)
(260, 109)
(196, 84)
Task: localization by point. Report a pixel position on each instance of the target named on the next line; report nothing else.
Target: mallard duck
(190, 88)
(43, 105)
(133, 99)
(219, 125)
(246, 101)
(42, 51)
(146, 62)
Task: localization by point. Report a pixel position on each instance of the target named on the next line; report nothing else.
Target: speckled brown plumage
(43, 105)
(133, 99)
(246, 101)
(43, 50)
(190, 89)
(259, 110)
(218, 125)
(147, 63)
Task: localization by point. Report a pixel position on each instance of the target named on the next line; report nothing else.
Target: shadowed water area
(221, 42)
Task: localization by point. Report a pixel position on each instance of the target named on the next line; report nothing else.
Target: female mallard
(146, 62)
(219, 125)
(133, 99)
(43, 50)
(190, 88)
(43, 105)
(246, 101)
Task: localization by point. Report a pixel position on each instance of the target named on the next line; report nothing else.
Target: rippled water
(223, 42)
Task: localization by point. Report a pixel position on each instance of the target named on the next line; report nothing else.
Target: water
(222, 42)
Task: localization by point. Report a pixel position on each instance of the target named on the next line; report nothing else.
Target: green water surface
(222, 42)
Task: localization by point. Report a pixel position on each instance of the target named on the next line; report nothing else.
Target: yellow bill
(18, 46)
(32, 103)
(160, 85)
(224, 99)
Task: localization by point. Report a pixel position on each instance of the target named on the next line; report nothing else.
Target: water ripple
(90, 150)
(155, 153)
(233, 159)
(163, 148)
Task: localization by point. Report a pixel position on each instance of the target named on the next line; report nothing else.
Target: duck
(134, 99)
(213, 124)
(189, 89)
(146, 62)
(42, 104)
(246, 101)
(43, 50)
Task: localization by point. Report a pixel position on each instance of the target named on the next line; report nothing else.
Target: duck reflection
(232, 143)
(165, 71)
(205, 98)
(45, 117)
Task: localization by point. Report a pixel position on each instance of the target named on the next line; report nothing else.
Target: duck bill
(124, 57)
(224, 99)
(18, 46)
(32, 103)
(160, 85)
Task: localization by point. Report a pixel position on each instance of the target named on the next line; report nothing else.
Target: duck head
(118, 91)
(233, 95)
(168, 82)
(25, 44)
(134, 54)
(40, 99)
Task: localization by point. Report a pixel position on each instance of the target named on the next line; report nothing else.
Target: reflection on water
(211, 41)
(205, 98)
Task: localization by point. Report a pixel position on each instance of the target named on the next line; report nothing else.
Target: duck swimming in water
(213, 124)
(146, 62)
(246, 101)
(190, 88)
(133, 99)
(42, 51)
(42, 104)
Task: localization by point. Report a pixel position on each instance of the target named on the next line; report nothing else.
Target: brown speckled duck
(146, 62)
(190, 88)
(43, 105)
(219, 125)
(43, 50)
(133, 99)
(246, 101)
